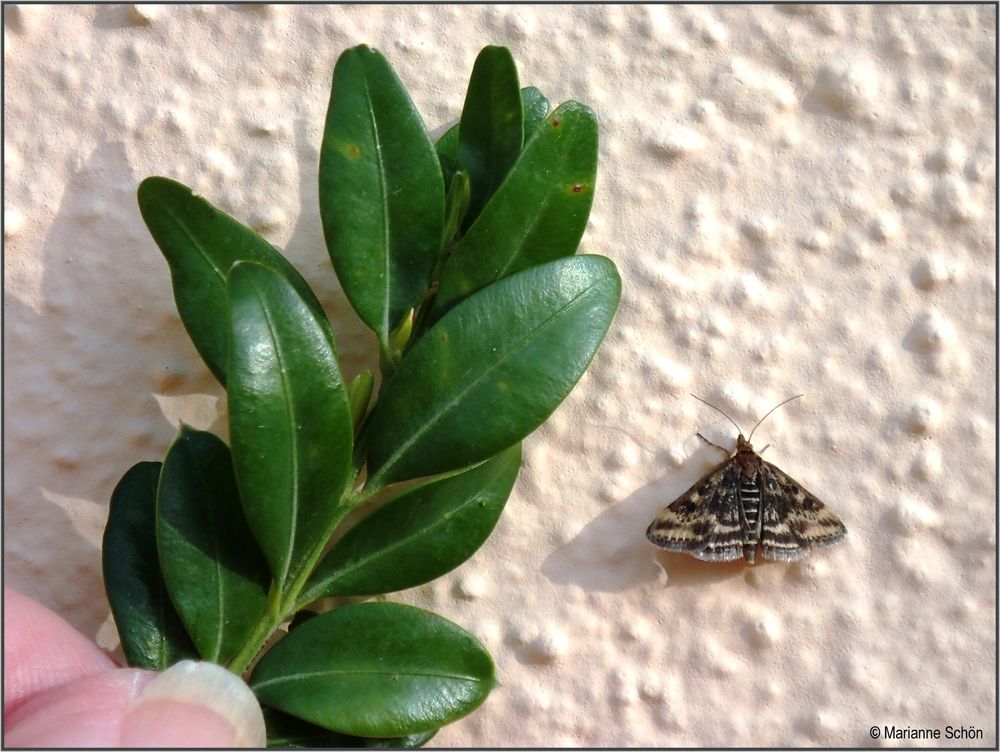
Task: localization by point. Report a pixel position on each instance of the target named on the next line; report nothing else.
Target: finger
(189, 705)
(41, 651)
(194, 704)
(85, 712)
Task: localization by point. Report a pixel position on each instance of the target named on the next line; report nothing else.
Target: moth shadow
(683, 569)
(612, 555)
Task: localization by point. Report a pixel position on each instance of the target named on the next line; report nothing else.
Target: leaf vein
(431, 422)
(528, 229)
(205, 254)
(219, 584)
(293, 437)
(386, 240)
(395, 545)
(362, 672)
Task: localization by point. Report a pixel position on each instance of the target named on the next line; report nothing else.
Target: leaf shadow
(113, 17)
(89, 337)
(33, 552)
(612, 555)
(94, 349)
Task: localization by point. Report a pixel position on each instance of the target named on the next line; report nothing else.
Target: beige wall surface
(799, 199)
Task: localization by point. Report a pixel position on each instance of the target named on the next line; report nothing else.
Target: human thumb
(194, 704)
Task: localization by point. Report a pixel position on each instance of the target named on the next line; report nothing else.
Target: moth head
(742, 445)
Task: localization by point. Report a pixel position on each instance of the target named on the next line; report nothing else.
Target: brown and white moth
(744, 503)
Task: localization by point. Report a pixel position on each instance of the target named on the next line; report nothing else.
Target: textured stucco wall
(800, 199)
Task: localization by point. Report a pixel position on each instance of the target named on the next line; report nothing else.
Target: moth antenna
(771, 411)
(718, 410)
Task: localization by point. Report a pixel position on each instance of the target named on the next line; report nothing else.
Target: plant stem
(262, 631)
(282, 606)
(350, 503)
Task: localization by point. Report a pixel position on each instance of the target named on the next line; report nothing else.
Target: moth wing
(794, 520)
(704, 521)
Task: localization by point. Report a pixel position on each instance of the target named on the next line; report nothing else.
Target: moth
(742, 504)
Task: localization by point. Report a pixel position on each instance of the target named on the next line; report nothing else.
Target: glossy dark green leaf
(538, 214)
(215, 574)
(288, 732)
(491, 130)
(492, 369)
(420, 535)
(380, 191)
(151, 633)
(535, 107)
(200, 244)
(375, 669)
(289, 418)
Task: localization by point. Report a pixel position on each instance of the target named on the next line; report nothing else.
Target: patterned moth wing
(794, 520)
(705, 520)
(741, 504)
(744, 503)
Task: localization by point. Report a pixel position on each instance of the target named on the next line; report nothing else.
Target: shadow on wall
(82, 354)
(92, 358)
(611, 553)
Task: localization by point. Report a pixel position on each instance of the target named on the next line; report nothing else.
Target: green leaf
(447, 153)
(399, 336)
(214, 572)
(492, 369)
(286, 731)
(375, 669)
(289, 419)
(380, 191)
(538, 214)
(535, 107)
(151, 632)
(420, 535)
(456, 206)
(200, 244)
(360, 395)
(491, 130)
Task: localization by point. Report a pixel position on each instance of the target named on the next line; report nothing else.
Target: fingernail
(194, 704)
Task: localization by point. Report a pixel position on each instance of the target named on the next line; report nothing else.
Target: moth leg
(764, 449)
(721, 449)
